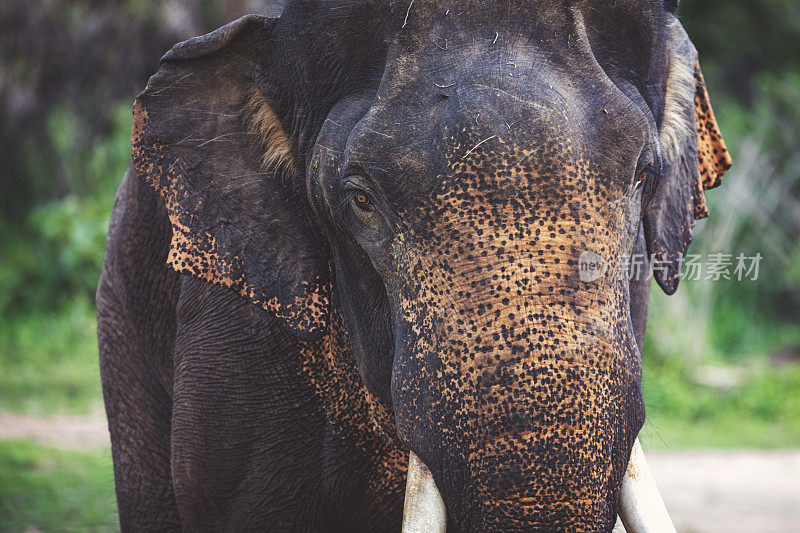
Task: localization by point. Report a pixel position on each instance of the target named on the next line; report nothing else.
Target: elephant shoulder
(137, 291)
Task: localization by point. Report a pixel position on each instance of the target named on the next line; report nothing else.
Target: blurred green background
(722, 358)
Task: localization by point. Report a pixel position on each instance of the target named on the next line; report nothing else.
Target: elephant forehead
(483, 135)
(412, 15)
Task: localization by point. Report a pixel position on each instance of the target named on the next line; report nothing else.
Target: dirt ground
(712, 491)
(65, 431)
(730, 491)
(708, 491)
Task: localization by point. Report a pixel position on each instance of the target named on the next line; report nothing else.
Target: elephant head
(431, 173)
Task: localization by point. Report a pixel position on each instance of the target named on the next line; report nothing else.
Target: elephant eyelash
(343, 205)
(351, 187)
(646, 166)
(647, 185)
(354, 214)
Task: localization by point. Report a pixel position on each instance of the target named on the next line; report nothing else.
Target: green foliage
(740, 39)
(708, 376)
(756, 210)
(730, 322)
(57, 254)
(43, 489)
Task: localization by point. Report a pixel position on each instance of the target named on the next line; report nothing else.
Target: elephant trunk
(524, 411)
(516, 381)
(640, 505)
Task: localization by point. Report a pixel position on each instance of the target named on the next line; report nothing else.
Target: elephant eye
(641, 176)
(362, 201)
(358, 202)
(363, 207)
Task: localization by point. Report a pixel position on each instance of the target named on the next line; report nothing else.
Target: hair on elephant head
(431, 173)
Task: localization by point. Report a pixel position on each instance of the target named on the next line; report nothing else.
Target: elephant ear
(206, 137)
(693, 159)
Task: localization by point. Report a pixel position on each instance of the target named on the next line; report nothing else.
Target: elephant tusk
(640, 505)
(424, 510)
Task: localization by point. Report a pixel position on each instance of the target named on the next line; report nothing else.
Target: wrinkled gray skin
(307, 164)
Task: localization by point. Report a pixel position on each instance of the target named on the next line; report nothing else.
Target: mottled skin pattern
(714, 159)
(377, 212)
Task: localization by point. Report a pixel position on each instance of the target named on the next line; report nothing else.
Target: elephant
(349, 242)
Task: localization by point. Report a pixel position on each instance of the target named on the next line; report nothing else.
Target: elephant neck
(355, 441)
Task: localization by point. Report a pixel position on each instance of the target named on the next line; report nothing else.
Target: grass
(48, 362)
(761, 412)
(730, 432)
(46, 489)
